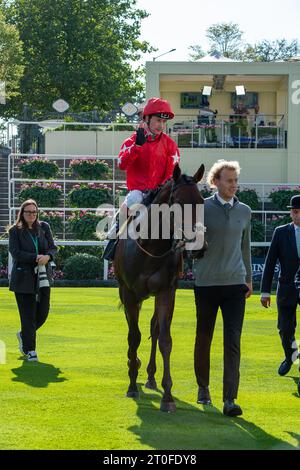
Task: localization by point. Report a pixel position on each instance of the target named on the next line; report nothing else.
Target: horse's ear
(176, 173)
(199, 174)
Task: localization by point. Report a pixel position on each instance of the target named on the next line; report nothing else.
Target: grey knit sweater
(227, 260)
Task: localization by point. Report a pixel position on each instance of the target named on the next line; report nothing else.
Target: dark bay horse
(150, 267)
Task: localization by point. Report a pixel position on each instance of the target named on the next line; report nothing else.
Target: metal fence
(229, 131)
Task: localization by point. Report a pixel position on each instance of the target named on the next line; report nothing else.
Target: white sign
(129, 109)
(60, 105)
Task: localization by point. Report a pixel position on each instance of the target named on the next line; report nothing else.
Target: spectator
(32, 248)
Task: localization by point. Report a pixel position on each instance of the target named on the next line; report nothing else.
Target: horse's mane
(152, 193)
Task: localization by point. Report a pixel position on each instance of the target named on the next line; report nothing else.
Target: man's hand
(140, 137)
(42, 260)
(250, 291)
(265, 301)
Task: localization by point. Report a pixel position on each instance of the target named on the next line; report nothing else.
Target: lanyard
(35, 242)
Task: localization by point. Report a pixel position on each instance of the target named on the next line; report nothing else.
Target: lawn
(74, 398)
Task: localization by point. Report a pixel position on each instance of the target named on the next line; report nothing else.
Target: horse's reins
(180, 244)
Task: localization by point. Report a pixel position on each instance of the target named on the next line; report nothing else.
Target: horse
(150, 267)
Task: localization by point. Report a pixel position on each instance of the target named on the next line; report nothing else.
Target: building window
(191, 100)
(250, 99)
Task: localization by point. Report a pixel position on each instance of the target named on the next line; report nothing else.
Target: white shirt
(222, 201)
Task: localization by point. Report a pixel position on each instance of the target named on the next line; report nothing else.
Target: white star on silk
(123, 149)
(175, 158)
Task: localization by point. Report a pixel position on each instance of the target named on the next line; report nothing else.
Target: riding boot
(109, 251)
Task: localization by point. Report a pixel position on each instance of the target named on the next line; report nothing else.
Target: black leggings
(33, 315)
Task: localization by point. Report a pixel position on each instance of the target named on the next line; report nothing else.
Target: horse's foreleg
(165, 307)
(151, 369)
(132, 308)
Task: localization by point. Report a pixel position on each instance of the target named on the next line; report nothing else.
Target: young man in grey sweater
(223, 278)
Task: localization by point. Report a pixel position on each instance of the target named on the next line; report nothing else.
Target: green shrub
(83, 225)
(89, 169)
(89, 195)
(65, 252)
(45, 194)
(257, 230)
(206, 191)
(249, 197)
(282, 195)
(82, 266)
(38, 167)
(3, 256)
(278, 220)
(54, 219)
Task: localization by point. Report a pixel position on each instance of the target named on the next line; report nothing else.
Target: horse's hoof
(151, 384)
(132, 394)
(168, 406)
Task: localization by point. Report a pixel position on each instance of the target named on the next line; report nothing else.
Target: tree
(78, 50)
(197, 52)
(11, 56)
(225, 39)
(270, 51)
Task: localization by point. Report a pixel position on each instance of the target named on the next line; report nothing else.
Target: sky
(180, 24)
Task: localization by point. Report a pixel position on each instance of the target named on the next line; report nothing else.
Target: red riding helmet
(158, 107)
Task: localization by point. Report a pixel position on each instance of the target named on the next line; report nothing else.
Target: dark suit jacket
(22, 249)
(297, 280)
(283, 248)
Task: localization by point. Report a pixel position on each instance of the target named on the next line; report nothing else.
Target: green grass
(75, 397)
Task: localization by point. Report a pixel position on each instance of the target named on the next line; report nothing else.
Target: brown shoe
(204, 396)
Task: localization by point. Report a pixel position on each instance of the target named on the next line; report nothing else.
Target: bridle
(177, 244)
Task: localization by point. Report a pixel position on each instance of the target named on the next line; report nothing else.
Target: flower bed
(89, 169)
(281, 196)
(83, 225)
(89, 195)
(45, 194)
(38, 167)
(249, 197)
(54, 219)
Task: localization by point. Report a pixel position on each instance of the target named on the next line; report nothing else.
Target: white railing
(229, 131)
(65, 180)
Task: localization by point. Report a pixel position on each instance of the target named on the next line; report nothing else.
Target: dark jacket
(283, 248)
(22, 249)
(297, 280)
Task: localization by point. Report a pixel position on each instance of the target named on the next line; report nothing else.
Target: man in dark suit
(285, 248)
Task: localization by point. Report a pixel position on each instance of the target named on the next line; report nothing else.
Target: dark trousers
(33, 315)
(231, 300)
(287, 326)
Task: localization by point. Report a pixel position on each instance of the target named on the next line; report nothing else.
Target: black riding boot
(109, 252)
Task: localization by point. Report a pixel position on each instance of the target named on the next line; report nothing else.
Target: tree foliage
(11, 56)
(269, 51)
(226, 39)
(78, 50)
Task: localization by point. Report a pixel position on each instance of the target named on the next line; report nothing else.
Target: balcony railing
(229, 131)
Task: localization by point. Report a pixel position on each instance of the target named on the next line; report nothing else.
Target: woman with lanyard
(32, 248)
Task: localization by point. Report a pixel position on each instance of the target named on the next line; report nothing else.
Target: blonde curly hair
(215, 171)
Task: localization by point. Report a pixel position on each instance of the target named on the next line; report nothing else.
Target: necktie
(297, 232)
(227, 206)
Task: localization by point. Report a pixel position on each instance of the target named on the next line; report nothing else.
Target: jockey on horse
(148, 156)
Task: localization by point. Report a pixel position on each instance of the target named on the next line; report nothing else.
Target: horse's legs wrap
(151, 369)
(164, 307)
(132, 309)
